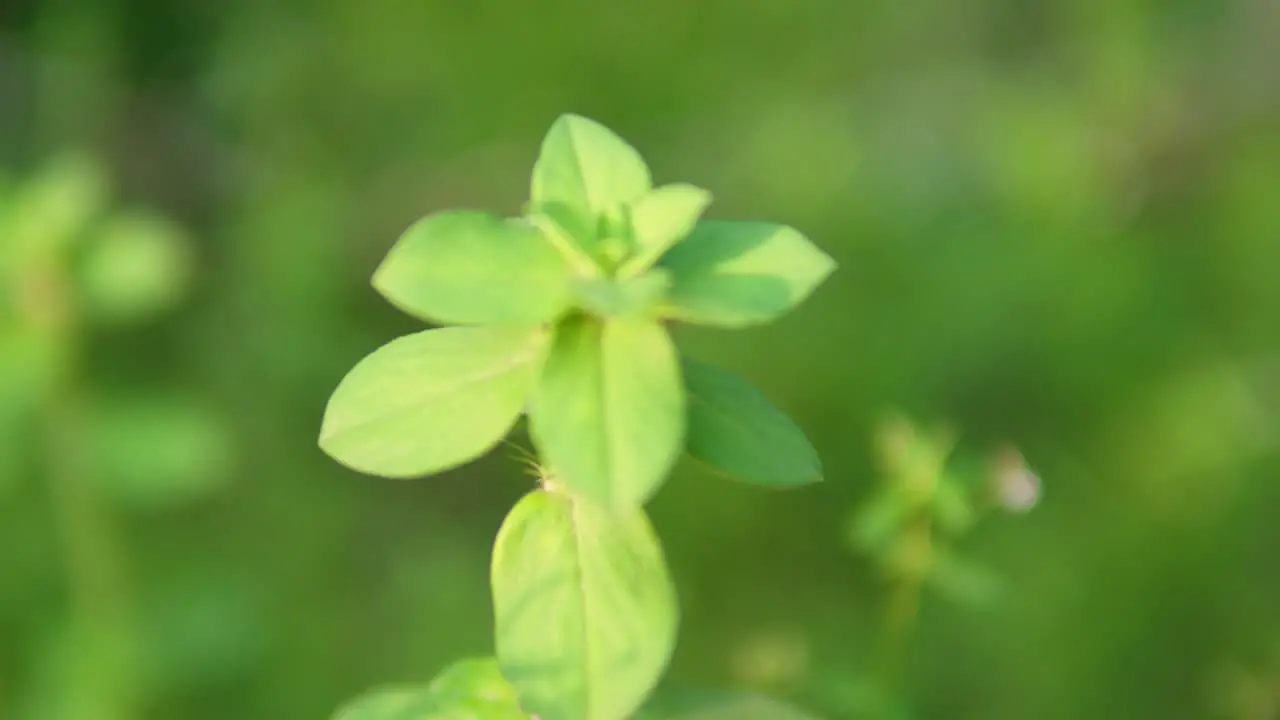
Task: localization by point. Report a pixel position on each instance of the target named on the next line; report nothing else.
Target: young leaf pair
(561, 313)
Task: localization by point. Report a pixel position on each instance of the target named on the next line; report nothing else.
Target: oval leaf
(734, 274)
(736, 430)
(431, 401)
(609, 412)
(474, 268)
(586, 614)
(586, 166)
(660, 219)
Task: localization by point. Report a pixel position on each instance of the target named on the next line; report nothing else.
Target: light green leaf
(586, 614)
(584, 165)
(431, 401)
(138, 265)
(609, 412)
(157, 451)
(620, 298)
(473, 268)
(737, 431)
(734, 274)
(659, 220)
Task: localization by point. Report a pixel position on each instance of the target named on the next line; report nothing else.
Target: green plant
(71, 265)
(560, 316)
(926, 500)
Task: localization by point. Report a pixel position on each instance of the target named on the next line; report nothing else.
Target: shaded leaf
(735, 430)
(586, 614)
(608, 416)
(621, 298)
(473, 268)
(431, 401)
(734, 274)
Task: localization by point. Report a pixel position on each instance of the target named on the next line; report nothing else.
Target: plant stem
(902, 608)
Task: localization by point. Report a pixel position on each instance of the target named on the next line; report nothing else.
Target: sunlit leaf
(586, 166)
(608, 416)
(659, 220)
(734, 274)
(735, 430)
(473, 268)
(431, 401)
(586, 614)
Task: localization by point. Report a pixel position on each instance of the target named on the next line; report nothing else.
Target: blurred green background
(1058, 225)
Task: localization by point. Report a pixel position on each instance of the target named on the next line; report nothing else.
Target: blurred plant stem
(100, 600)
(901, 608)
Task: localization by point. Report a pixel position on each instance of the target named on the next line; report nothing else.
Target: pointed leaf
(431, 401)
(737, 431)
(608, 415)
(588, 167)
(586, 614)
(660, 219)
(735, 274)
(473, 268)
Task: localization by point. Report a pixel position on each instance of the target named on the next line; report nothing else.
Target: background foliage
(1056, 223)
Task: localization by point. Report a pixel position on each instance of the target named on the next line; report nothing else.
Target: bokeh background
(1057, 223)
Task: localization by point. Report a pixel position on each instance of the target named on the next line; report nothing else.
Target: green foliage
(433, 400)
(570, 310)
(470, 268)
(586, 614)
(735, 274)
(609, 412)
(737, 431)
